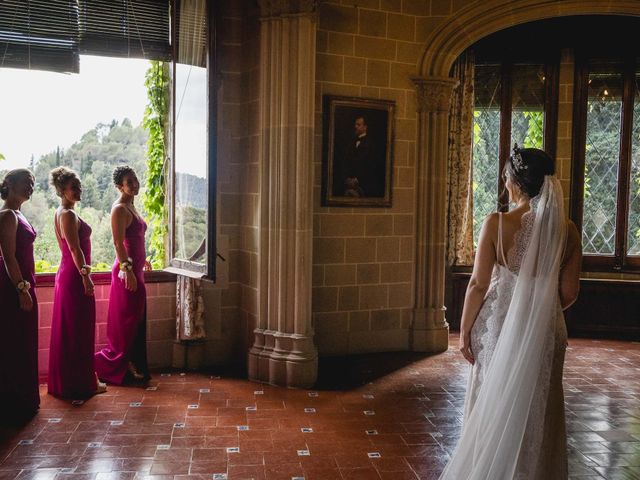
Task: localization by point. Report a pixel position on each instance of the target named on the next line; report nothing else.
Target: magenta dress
(73, 327)
(19, 332)
(126, 318)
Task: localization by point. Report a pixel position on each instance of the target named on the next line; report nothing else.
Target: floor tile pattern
(385, 416)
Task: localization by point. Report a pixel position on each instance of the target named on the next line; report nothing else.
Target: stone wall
(365, 260)
(231, 304)
(161, 322)
(363, 272)
(565, 123)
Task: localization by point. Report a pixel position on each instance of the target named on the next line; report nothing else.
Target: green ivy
(534, 132)
(155, 121)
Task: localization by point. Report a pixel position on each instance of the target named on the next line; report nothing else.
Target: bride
(526, 272)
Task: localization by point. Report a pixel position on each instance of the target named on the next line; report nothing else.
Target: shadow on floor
(353, 371)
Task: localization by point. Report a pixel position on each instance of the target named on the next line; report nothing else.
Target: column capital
(434, 93)
(279, 8)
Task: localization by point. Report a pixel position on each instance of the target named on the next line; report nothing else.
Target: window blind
(39, 34)
(125, 28)
(192, 32)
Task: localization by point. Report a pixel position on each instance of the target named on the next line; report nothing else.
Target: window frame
(549, 142)
(174, 265)
(506, 63)
(177, 265)
(620, 261)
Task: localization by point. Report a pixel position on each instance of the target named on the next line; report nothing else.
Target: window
(91, 124)
(192, 204)
(74, 36)
(606, 189)
(514, 103)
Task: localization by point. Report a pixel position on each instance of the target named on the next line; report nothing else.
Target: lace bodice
(487, 327)
(489, 322)
(514, 404)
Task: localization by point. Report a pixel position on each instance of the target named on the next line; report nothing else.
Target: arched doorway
(434, 88)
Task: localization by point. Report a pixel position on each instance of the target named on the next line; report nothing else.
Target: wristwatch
(85, 270)
(23, 286)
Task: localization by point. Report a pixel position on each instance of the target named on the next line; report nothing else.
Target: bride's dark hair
(527, 168)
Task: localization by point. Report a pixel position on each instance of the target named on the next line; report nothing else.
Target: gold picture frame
(357, 151)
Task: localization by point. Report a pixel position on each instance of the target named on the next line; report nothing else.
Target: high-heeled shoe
(135, 374)
(101, 387)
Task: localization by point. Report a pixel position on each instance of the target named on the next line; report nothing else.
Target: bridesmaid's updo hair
(11, 178)
(120, 172)
(527, 168)
(59, 177)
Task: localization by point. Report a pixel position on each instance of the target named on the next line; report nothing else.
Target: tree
(93, 157)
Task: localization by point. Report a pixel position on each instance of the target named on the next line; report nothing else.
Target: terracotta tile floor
(385, 416)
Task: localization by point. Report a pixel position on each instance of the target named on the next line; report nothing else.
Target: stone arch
(480, 19)
(434, 88)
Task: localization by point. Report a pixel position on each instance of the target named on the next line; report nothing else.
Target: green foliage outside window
(486, 144)
(93, 157)
(155, 122)
(528, 132)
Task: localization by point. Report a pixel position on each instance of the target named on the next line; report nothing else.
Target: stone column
(283, 352)
(430, 328)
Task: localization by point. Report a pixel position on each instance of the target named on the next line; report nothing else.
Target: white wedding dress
(514, 424)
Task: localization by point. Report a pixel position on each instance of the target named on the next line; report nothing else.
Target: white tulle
(502, 433)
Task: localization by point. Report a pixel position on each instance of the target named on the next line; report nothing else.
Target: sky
(42, 110)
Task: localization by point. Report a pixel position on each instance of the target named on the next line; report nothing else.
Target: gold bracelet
(127, 266)
(23, 286)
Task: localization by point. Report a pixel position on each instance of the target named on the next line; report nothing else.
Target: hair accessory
(517, 161)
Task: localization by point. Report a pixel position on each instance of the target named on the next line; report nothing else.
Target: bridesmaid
(19, 320)
(126, 354)
(73, 326)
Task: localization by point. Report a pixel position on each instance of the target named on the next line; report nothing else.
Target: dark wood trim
(593, 263)
(208, 270)
(170, 181)
(599, 263)
(212, 132)
(619, 262)
(505, 132)
(631, 264)
(624, 166)
(604, 309)
(579, 139)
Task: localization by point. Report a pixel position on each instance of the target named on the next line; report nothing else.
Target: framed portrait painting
(358, 151)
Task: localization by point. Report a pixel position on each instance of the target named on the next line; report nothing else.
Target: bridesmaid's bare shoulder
(8, 219)
(67, 214)
(120, 210)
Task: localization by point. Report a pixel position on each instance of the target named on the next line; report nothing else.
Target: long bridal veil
(508, 415)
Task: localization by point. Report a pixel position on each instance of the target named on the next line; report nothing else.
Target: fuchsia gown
(19, 331)
(126, 318)
(73, 327)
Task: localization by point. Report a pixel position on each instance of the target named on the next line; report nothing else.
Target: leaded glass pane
(633, 239)
(604, 108)
(527, 104)
(486, 144)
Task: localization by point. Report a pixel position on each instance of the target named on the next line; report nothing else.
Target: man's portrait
(358, 137)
